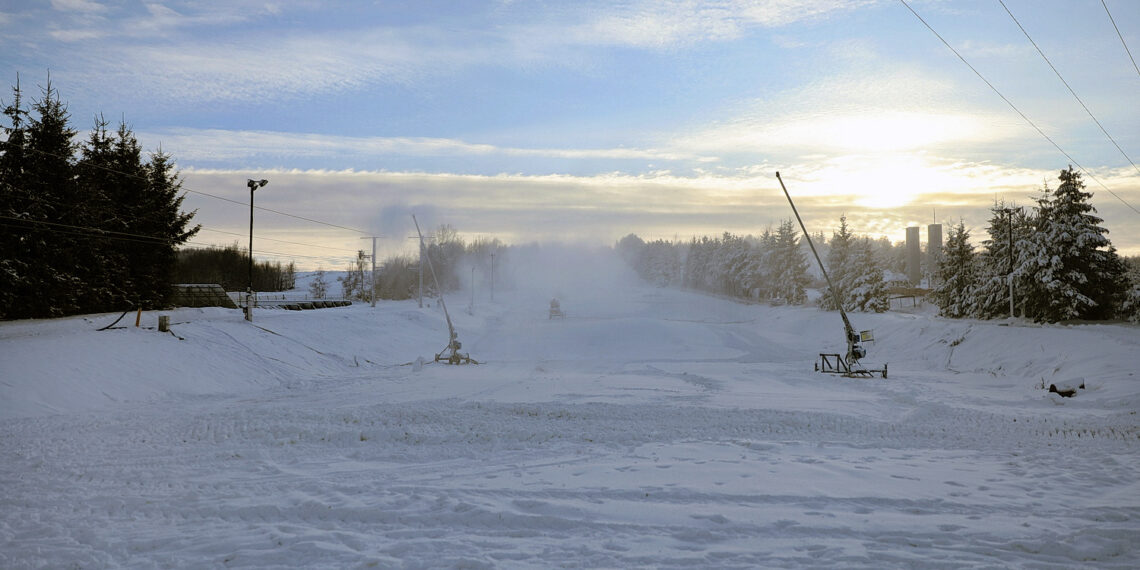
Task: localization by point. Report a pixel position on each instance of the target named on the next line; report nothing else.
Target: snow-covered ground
(649, 428)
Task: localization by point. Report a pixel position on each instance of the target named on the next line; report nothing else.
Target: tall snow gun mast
(450, 354)
(848, 364)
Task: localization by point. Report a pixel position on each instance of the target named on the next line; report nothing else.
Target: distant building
(913, 256)
(933, 249)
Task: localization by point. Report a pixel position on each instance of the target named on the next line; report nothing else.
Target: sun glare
(882, 181)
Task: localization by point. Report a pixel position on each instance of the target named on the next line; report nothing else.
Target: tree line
(1058, 256)
(229, 267)
(88, 227)
(1062, 264)
(772, 267)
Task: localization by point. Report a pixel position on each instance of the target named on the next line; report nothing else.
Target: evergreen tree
(89, 234)
(838, 267)
(108, 178)
(865, 287)
(629, 248)
(16, 208)
(1072, 270)
(956, 275)
(659, 263)
(51, 204)
(788, 266)
(991, 293)
(158, 213)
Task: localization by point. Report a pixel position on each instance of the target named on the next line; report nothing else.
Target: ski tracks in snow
(668, 441)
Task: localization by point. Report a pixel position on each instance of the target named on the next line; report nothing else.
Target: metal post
(373, 294)
(253, 185)
(249, 290)
(421, 295)
(1009, 274)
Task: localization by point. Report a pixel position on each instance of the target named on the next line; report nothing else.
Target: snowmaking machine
(833, 363)
(450, 353)
(556, 309)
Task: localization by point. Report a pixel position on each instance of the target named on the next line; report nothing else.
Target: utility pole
(253, 185)
(1009, 274)
(421, 294)
(372, 295)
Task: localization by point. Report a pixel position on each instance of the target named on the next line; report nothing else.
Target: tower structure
(913, 256)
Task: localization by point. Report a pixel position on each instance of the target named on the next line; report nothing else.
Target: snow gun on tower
(847, 364)
(450, 353)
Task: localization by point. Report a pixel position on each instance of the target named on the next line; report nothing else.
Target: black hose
(117, 320)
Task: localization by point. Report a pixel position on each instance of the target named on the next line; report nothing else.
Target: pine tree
(88, 234)
(956, 275)
(788, 266)
(865, 287)
(53, 207)
(107, 179)
(1072, 271)
(838, 267)
(158, 214)
(991, 293)
(16, 208)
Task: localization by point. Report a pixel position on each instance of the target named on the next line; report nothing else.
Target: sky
(586, 121)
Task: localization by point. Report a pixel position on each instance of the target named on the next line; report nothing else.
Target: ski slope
(649, 428)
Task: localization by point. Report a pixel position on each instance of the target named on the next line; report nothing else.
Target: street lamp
(253, 185)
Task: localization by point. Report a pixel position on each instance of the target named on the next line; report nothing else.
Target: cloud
(81, 6)
(600, 209)
(902, 110)
(208, 55)
(680, 23)
(215, 145)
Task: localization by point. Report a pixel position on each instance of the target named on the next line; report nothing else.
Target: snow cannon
(832, 363)
(450, 354)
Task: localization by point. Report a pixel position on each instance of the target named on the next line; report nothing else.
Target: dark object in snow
(200, 295)
(556, 309)
(1067, 389)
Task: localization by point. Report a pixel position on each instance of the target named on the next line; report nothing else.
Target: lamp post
(253, 185)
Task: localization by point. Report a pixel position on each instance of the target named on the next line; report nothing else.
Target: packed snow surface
(648, 428)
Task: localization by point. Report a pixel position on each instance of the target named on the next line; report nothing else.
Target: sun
(880, 181)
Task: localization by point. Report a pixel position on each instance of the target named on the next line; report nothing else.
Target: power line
(215, 196)
(1014, 107)
(153, 217)
(1119, 35)
(86, 231)
(1067, 86)
(280, 240)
